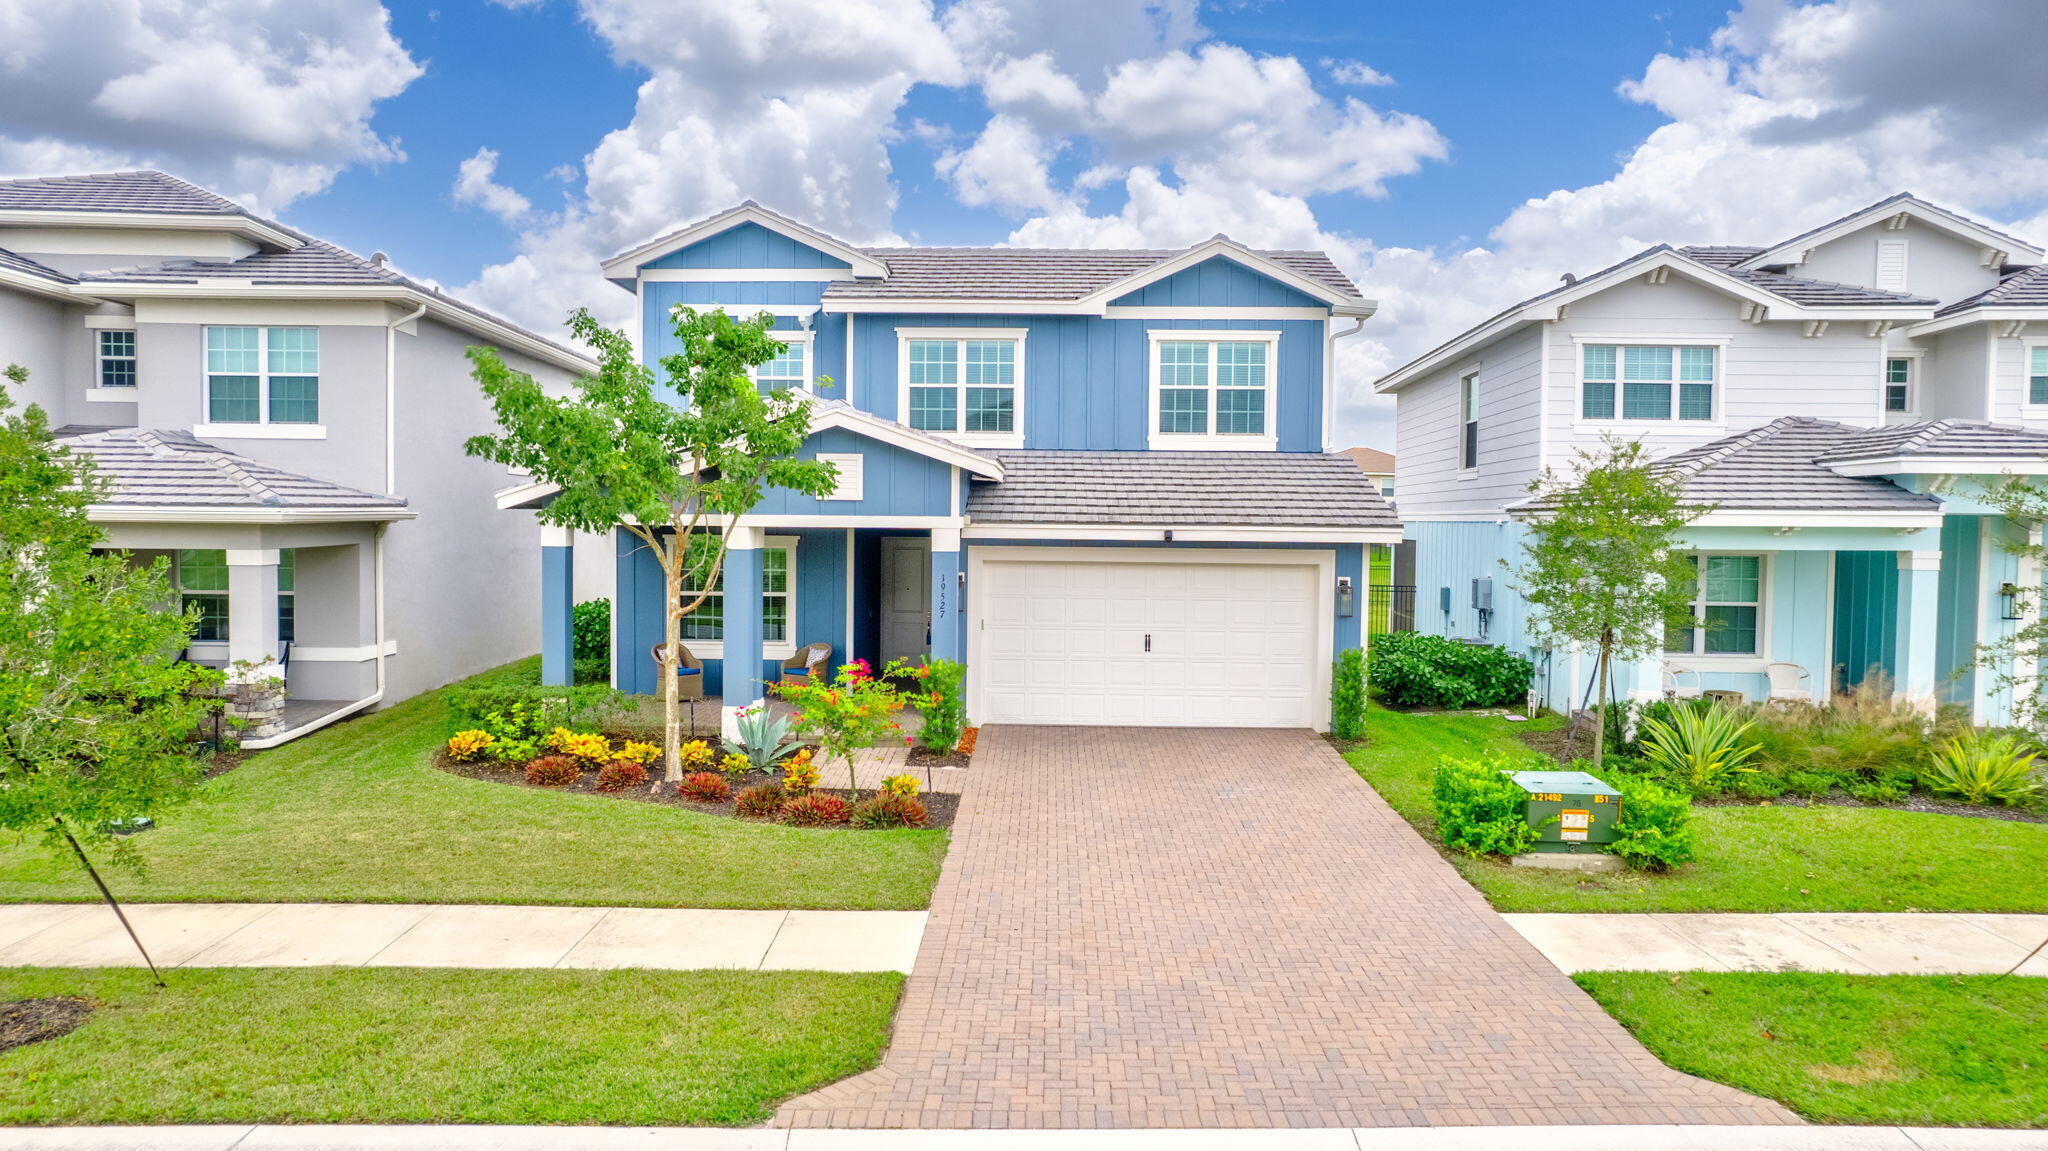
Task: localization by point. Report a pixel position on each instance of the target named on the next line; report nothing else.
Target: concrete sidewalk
(457, 935)
(1875, 943)
(291, 1138)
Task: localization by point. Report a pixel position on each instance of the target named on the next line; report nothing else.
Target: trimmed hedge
(1409, 669)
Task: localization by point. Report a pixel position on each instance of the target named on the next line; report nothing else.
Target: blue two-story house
(1099, 478)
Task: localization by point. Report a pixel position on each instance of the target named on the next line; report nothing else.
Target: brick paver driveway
(1129, 933)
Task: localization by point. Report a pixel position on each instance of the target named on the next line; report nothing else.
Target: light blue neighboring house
(1101, 479)
(1843, 399)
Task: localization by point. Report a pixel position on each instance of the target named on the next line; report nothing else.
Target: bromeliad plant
(940, 699)
(1984, 769)
(853, 711)
(1702, 748)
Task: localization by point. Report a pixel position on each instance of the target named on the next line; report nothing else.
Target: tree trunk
(1600, 704)
(671, 686)
(107, 894)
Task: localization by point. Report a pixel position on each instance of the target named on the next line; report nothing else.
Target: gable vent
(1891, 265)
(850, 465)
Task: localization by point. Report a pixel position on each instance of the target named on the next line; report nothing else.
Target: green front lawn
(1752, 858)
(357, 812)
(396, 1045)
(1914, 1050)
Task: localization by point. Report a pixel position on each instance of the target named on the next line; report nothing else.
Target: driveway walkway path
(1873, 943)
(456, 935)
(1154, 928)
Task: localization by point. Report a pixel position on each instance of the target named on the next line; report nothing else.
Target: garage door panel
(1232, 644)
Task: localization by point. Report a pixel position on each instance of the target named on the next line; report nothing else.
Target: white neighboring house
(284, 419)
(1842, 397)
(1378, 467)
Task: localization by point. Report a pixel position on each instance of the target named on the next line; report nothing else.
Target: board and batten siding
(1428, 433)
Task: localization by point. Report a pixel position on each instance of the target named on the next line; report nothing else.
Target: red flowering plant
(853, 711)
(940, 697)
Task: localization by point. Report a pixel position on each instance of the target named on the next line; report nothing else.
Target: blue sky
(1452, 156)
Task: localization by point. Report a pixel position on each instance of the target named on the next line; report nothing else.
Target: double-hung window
(1648, 381)
(1468, 421)
(790, 368)
(2037, 375)
(201, 576)
(704, 628)
(287, 595)
(1898, 384)
(1213, 389)
(1727, 607)
(964, 383)
(262, 375)
(116, 354)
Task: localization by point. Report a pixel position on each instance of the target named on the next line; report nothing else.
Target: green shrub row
(1479, 811)
(1410, 669)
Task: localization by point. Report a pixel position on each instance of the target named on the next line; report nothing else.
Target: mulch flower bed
(940, 808)
(958, 757)
(26, 1021)
(1913, 802)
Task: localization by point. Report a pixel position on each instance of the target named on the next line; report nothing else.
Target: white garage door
(1161, 644)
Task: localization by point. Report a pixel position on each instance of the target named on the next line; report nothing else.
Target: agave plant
(1703, 747)
(764, 738)
(1983, 769)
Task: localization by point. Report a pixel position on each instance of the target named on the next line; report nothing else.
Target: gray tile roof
(114, 192)
(820, 405)
(170, 468)
(1293, 489)
(1034, 273)
(1776, 468)
(1822, 293)
(314, 262)
(1720, 255)
(1899, 198)
(1947, 439)
(2026, 288)
(19, 263)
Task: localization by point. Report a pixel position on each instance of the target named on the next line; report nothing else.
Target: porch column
(948, 596)
(1919, 583)
(252, 604)
(557, 603)
(742, 585)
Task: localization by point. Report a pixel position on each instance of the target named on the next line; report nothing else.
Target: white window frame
(1212, 440)
(1620, 423)
(715, 648)
(852, 480)
(100, 360)
(262, 428)
(1912, 356)
(1468, 422)
(1729, 660)
(2028, 408)
(799, 340)
(1014, 438)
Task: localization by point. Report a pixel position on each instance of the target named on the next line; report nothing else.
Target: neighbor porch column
(948, 596)
(252, 604)
(742, 585)
(1919, 586)
(557, 604)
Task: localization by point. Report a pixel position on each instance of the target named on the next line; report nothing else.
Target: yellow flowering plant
(585, 747)
(799, 773)
(464, 746)
(906, 786)
(638, 752)
(734, 764)
(695, 754)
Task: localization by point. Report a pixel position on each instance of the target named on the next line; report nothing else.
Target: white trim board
(1018, 337)
(1205, 533)
(627, 263)
(131, 514)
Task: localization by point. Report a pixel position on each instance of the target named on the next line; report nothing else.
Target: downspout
(1330, 337)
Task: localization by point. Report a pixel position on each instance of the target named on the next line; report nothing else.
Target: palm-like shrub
(1701, 748)
(1983, 769)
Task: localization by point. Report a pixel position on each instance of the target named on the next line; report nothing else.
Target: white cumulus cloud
(476, 184)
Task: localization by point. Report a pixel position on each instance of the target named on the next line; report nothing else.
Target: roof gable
(1321, 291)
(748, 245)
(1905, 204)
(1219, 281)
(623, 267)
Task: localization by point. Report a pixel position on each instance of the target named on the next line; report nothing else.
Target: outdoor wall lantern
(2009, 600)
(1346, 598)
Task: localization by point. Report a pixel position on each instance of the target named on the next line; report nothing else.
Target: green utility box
(1570, 810)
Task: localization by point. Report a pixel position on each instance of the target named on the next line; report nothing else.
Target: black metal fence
(1389, 608)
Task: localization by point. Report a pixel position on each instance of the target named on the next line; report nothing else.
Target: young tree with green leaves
(676, 470)
(96, 711)
(2013, 663)
(1603, 567)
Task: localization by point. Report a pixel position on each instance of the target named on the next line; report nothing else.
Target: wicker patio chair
(811, 664)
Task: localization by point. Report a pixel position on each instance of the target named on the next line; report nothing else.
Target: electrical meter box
(1570, 810)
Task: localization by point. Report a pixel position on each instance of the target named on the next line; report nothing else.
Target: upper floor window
(263, 375)
(790, 368)
(1468, 421)
(1213, 389)
(1647, 382)
(116, 357)
(2037, 375)
(1727, 608)
(1898, 384)
(964, 383)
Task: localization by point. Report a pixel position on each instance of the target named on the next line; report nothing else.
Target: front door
(906, 597)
